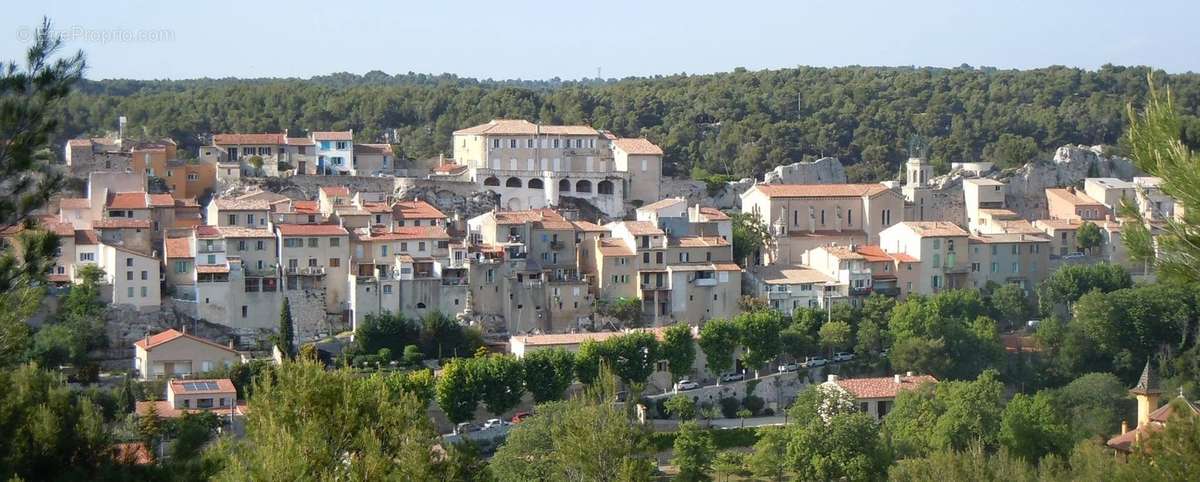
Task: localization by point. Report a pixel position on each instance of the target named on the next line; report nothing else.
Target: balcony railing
(705, 281)
(215, 248)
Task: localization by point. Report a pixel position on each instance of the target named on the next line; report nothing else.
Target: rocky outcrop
(826, 170)
(461, 199)
(1069, 167)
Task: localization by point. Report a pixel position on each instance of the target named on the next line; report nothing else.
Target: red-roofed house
(877, 396)
(173, 353)
(217, 395)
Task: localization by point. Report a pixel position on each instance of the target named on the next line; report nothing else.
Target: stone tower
(1147, 391)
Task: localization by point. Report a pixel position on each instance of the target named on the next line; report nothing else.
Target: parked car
(520, 417)
(789, 367)
(733, 377)
(685, 384)
(493, 423)
(814, 361)
(842, 356)
(466, 427)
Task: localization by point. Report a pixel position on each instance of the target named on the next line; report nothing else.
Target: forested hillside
(739, 123)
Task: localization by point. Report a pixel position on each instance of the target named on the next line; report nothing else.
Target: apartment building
(335, 152)
(179, 267)
(1021, 259)
(1110, 191)
(289, 211)
(531, 165)
(403, 270)
(983, 195)
(1069, 203)
(849, 270)
(264, 154)
(940, 249)
(789, 288)
(133, 275)
(185, 178)
(246, 213)
(417, 213)
(237, 280)
(374, 159)
(217, 396)
(891, 273)
(316, 257)
(1152, 202)
(802, 216)
(1062, 234)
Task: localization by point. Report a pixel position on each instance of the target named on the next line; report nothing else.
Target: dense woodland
(738, 123)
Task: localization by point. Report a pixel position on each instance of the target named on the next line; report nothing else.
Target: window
(645, 258)
(1015, 268)
(935, 281)
(335, 242)
(937, 259)
(241, 245)
(193, 177)
(128, 261)
(1016, 249)
(314, 242)
(383, 249)
(87, 256)
(259, 245)
(244, 311)
(143, 292)
(129, 292)
(181, 267)
(129, 275)
(421, 246)
(145, 275)
(335, 262)
(937, 244)
(404, 246)
(658, 257)
(250, 219)
(312, 262)
(232, 219)
(341, 144)
(495, 143)
(293, 242)
(387, 289)
(995, 267)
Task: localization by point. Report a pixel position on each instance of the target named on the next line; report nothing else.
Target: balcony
(312, 271)
(778, 295)
(556, 245)
(860, 291)
(705, 281)
(214, 248)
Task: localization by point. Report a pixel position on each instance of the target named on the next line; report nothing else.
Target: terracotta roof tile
(244, 139)
(377, 149)
(332, 136)
(698, 242)
(872, 253)
(311, 230)
(127, 200)
(299, 141)
(934, 228)
(178, 247)
(883, 387)
(227, 204)
(1070, 196)
(588, 226)
(161, 200)
(642, 228)
(611, 247)
(662, 203)
(524, 127)
(121, 223)
(149, 343)
(242, 232)
(638, 146)
(336, 191)
(713, 214)
(85, 237)
(820, 190)
(416, 210)
(404, 233)
(74, 203)
(791, 275)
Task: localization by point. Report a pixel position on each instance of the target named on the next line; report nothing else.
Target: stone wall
(826, 170)
(463, 199)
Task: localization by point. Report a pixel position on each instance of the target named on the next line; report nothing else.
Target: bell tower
(1147, 392)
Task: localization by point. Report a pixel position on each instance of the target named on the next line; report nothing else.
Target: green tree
(718, 340)
(1066, 284)
(835, 335)
(419, 384)
(1009, 305)
(627, 310)
(758, 333)
(458, 390)
(951, 325)
(502, 380)
(1030, 427)
(287, 335)
(307, 423)
(769, 459)
(679, 350)
(694, 452)
(442, 336)
(386, 330)
(750, 236)
(1088, 236)
(1092, 405)
(681, 406)
(548, 373)
(588, 359)
(952, 415)
(412, 355)
(189, 434)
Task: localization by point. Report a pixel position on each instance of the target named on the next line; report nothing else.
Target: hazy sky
(538, 40)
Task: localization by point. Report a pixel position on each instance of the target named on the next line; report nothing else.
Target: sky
(517, 39)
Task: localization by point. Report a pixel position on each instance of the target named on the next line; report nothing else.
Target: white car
(493, 423)
(842, 356)
(684, 385)
(814, 361)
(733, 377)
(790, 367)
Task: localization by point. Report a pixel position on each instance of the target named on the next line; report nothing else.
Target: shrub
(753, 404)
(729, 407)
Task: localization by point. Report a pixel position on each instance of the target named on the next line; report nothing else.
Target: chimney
(1124, 427)
(833, 378)
(898, 379)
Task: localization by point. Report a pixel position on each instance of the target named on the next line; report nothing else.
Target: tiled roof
(698, 242)
(610, 247)
(241, 139)
(85, 237)
(872, 253)
(791, 275)
(126, 200)
(227, 204)
(416, 210)
(727, 266)
(378, 149)
(332, 136)
(934, 228)
(62, 230)
(191, 387)
(820, 190)
(299, 141)
(1059, 224)
(407, 232)
(212, 268)
(121, 223)
(335, 191)
(638, 146)
(172, 334)
(843, 252)
(713, 214)
(178, 247)
(80, 143)
(242, 232)
(351, 211)
(524, 127)
(662, 203)
(377, 208)
(548, 219)
(161, 200)
(74, 203)
(904, 257)
(207, 231)
(588, 226)
(883, 387)
(1072, 196)
(1009, 238)
(449, 169)
(1148, 382)
(297, 207)
(642, 228)
(311, 230)
(165, 410)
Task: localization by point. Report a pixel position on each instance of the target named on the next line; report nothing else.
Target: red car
(520, 417)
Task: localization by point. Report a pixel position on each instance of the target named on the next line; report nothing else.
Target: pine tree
(286, 338)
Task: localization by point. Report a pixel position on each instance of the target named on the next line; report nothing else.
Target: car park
(842, 356)
(685, 384)
(733, 377)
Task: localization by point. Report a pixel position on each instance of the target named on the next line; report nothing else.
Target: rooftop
(791, 275)
(882, 387)
(332, 136)
(403, 233)
(524, 127)
(638, 146)
(242, 139)
(416, 210)
(311, 230)
(934, 228)
(1071, 196)
(227, 204)
(178, 247)
(126, 200)
(698, 242)
(662, 204)
(642, 228)
(193, 387)
(150, 342)
(341, 191)
(820, 190)
(121, 223)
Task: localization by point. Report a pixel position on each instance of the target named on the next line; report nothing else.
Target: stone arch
(536, 183)
(564, 186)
(491, 181)
(604, 187)
(515, 204)
(583, 185)
(513, 182)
